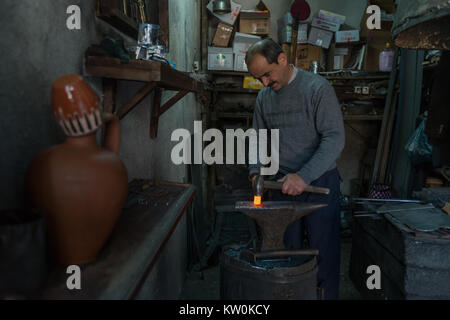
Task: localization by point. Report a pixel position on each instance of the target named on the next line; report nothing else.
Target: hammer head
(258, 189)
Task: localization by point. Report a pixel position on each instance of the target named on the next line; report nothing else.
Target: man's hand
(293, 184)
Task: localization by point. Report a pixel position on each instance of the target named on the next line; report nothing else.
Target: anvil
(273, 217)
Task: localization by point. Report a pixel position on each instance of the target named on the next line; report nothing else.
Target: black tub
(271, 279)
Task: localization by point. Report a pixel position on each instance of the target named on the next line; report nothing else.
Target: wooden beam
(155, 113)
(138, 97)
(109, 95)
(163, 17)
(109, 92)
(172, 101)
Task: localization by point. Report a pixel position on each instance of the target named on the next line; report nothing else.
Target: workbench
(414, 263)
(146, 254)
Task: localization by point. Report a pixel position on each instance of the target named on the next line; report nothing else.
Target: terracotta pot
(79, 185)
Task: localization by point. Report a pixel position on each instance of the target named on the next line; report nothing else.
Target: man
(304, 107)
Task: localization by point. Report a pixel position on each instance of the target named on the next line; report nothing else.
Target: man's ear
(282, 59)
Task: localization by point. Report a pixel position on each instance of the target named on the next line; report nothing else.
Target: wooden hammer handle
(278, 185)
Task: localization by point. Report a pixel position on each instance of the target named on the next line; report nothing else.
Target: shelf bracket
(158, 110)
(138, 97)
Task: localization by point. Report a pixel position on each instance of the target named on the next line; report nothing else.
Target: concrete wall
(37, 48)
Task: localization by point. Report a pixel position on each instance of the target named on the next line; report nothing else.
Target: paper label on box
(341, 51)
(347, 36)
(220, 58)
(239, 63)
(338, 62)
(243, 41)
(325, 25)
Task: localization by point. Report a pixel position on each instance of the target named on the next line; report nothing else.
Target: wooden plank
(177, 79)
(122, 74)
(106, 61)
(155, 113)
(111, 12)
(139, 70)
(127, 258)
(387, 143)
(384, 123)
(237, 90)
(109, 91)
(229, 73)
(163, 18)
(138, 97)
(204, 35)
(109, 95)
(362, 117)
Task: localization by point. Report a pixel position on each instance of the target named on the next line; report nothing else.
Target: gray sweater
(309, 118)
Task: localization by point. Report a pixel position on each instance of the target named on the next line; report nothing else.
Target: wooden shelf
(380, 77)
(357, 96)
(235, 115)
(236, 90)
(352, 117)
(157, 76)
(363, 117)
(229, 73)
(114, 16)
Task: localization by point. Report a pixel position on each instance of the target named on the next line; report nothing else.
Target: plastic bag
(417, 147)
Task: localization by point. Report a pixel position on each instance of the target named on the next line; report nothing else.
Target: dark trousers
(323, 231)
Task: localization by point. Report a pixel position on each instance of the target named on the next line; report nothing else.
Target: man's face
(275, 75)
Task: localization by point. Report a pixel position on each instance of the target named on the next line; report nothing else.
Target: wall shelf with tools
(126, 15)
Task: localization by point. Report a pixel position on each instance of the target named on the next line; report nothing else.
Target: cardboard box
(239, 63)
(229, 18)
(346, 36)
(255, 21)
(285, 33)
(305, 55)
(319, 37)
(220, 58)
(338, 56)
(243, 41)
(332, 17)
(325, 25)
(223, 35)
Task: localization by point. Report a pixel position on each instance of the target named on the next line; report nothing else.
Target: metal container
(315, 67)
(292, 278)
(222, 6)
(422, 24)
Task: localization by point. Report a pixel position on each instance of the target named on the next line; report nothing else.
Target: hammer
(259, 185)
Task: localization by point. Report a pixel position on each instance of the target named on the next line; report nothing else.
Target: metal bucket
(294, 278)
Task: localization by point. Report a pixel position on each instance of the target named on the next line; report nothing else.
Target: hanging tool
(142, 10)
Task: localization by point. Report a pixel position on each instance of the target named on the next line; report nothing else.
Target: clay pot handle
(112, 129)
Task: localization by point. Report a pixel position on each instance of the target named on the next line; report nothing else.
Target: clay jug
(80, 186)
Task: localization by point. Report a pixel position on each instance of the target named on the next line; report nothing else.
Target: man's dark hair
(267, 48)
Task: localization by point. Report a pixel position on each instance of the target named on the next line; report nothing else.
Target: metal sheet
(422, 24)
(423, 218)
